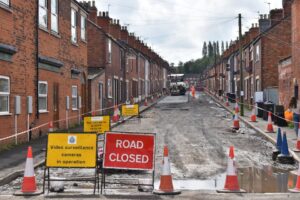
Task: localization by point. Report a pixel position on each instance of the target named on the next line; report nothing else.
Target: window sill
(55, 34)
(43, 111)
(6, 114)
(6, 7)
(75, 44)
(43, 28)
(84, 41)
(74, 109)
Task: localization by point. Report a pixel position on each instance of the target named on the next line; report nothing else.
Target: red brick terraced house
(43, 54)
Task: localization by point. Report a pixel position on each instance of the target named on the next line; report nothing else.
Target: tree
(210, 50)
(222, 47)
(204, 50)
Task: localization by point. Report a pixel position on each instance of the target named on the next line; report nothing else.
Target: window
(43, 94)
(73, 26)
(83, 26)
(4, 94)
(257, 85)
(43, 13)
(109, 88)
(54, 16)
(74, 97)
(109, 51)
(257, 53)
(5, 2)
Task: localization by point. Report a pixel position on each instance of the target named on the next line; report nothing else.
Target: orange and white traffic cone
(270, 128)
(236, 107)
(29, 184)
(166, 182)
(297, 148)
(116, 117)
(51, 126)
(227, 102)
(146, 102)
(253, 115)
(297, 187)
(236, 121)
(231, 182)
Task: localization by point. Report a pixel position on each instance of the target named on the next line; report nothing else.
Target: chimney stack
(103, 21)
(124, 34)
(276, 15)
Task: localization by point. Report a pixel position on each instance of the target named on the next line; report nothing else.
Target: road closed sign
(98, 124)
(74, 150)
(134, 151)
(130, 110)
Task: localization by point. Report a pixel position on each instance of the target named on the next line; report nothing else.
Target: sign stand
(70, 149)
(146, 151)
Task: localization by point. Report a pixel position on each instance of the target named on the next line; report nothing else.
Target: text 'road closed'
(129, 151)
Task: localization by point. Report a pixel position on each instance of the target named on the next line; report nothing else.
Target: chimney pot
(118, 22)
(106, 14)
(89, 4)
(261, 16)
(93, 3)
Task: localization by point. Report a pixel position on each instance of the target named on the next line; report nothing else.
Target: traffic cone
(297, 187)
(253, 115)
(166, 183)
(146, 102)
(284, 157)
(29, 184)
(51, 126)
(231, 182)
(278, 145)
(270, 124)
(297, 148)
(236, 108)
(93, 113)
(116, 117)
(236, 122)
(227, 102)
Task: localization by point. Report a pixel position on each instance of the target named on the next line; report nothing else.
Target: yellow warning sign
(75, 150)
(98, 124)
(130, 110)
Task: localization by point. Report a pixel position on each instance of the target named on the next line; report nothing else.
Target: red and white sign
(129, 151)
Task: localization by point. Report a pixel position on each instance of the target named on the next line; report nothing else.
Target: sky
(176, 29)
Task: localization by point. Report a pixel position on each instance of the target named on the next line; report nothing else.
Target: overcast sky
(176, 29)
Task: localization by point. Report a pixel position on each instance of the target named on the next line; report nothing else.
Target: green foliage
(210, 54)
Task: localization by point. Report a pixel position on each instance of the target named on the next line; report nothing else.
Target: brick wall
(17, 25)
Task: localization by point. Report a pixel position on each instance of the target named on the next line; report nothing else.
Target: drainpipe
(37, 60)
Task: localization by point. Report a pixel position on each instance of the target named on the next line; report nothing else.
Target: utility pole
(241, 66)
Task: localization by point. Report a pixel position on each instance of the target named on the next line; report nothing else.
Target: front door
(56, 104)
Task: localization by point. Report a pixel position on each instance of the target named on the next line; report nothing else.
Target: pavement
(12, 161)
(261, 126)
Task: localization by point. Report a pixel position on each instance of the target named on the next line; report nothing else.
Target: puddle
(253, 180)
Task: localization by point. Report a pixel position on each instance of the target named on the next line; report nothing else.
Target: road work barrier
(270, 128)
(231, 182)
(29, 184)
(297, 147)
(71, 150)
(166, 181)
(297, 188)
(128, 151)
(278, 145)
(236, 121)
(284, 157)
(98, 124)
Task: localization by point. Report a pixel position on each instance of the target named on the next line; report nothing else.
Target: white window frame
(54, 16)
(74, 97)
(83, 28)
(43, 6)
(257, 52)
(7, 94)
(109, 88)
(73, 25)
(4, 2)
(43, 96)
(109, 52)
